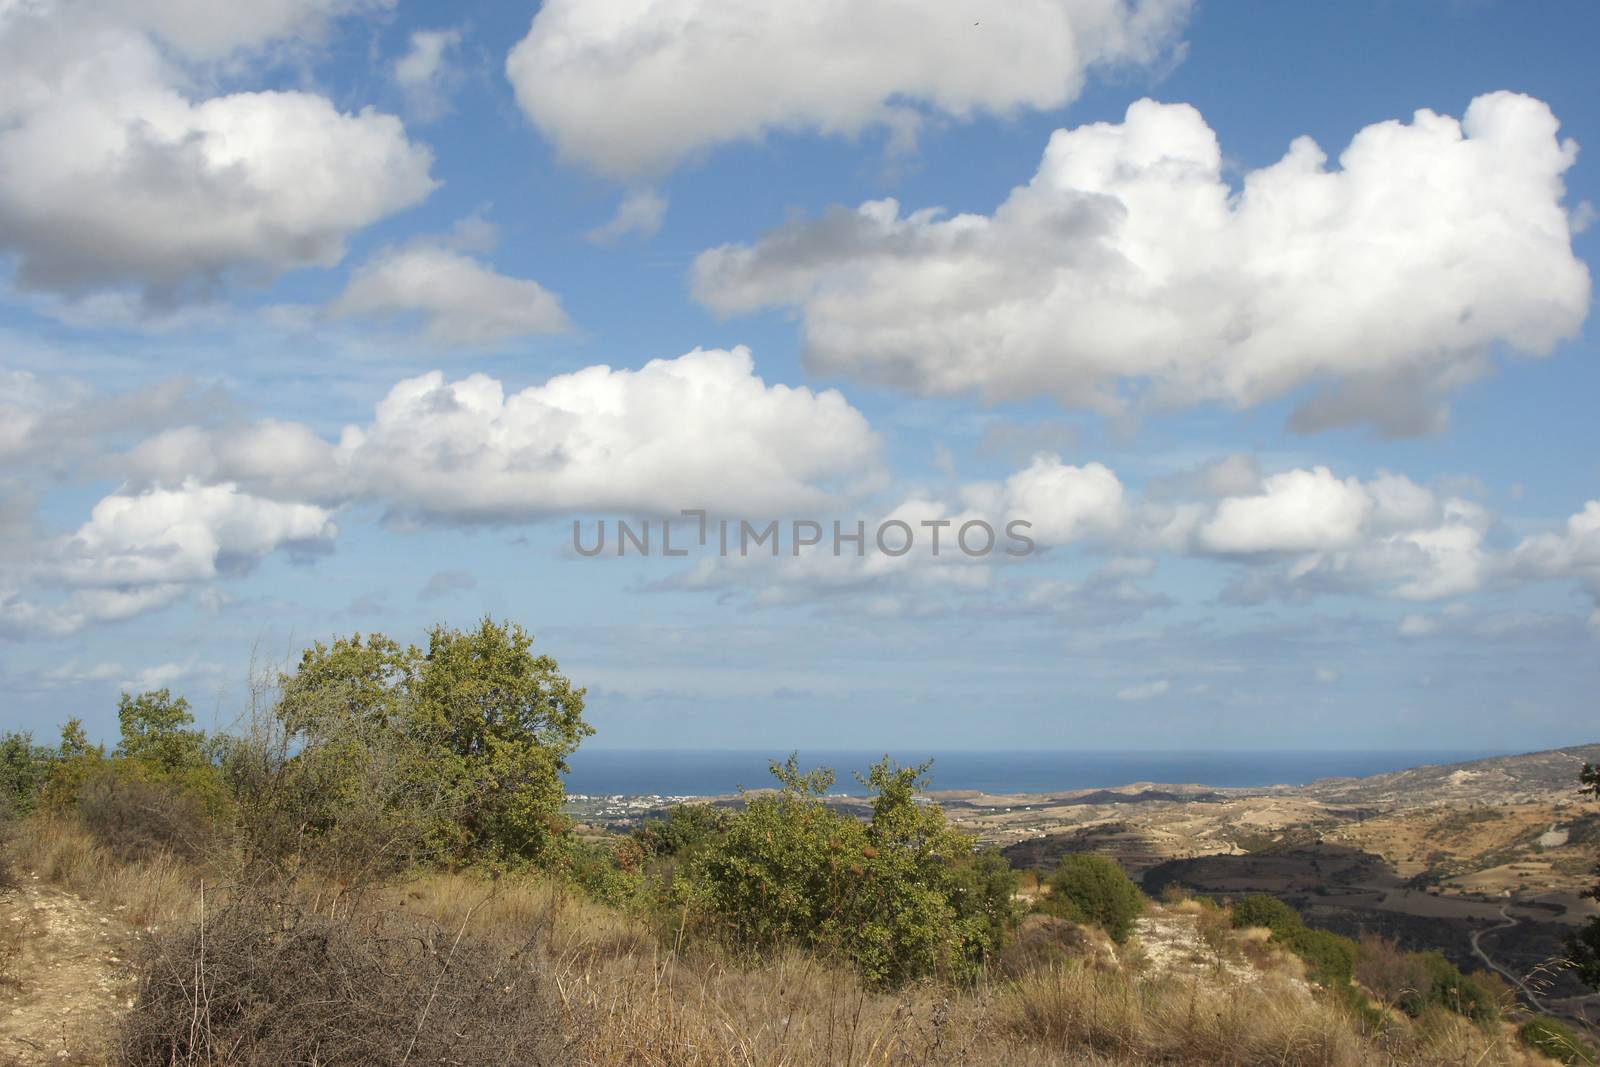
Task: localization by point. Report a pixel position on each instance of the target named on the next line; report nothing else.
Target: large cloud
(1128, 266)
(113, 170)
(630, 87)
(702, 430)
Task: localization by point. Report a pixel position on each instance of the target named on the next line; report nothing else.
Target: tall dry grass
(145, 892)
(619, 993)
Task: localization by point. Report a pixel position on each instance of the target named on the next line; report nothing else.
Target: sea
(716, 772)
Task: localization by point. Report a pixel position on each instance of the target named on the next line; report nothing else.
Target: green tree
(1093, 889)
(497, 723)
(24, 768)
(455, 753)
(156, 734)
(76, 761)
(682, 830)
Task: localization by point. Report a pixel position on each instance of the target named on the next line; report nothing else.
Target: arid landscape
(1485, 861)
(107, 959)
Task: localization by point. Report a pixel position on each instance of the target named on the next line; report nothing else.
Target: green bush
(1259, 909)
(887, 894)
(1330, 957)
(1449, 988)
(682, 830)
(1555, 1039)
(1093, 889)
(608, 874)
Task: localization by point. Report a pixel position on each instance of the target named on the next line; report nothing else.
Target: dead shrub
(139, 819)
(264, 980)
(1394, 976)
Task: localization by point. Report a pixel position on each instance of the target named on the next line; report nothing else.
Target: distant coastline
(719, 772)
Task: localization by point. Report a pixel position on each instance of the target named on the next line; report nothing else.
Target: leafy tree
(76, 761)
(1584, 946)
(497, 724)
(1093, 889)
(682, 830)
(454, 753)
(885, 894)
(156, 734)
(24, 767)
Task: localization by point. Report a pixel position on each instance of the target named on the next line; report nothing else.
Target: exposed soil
(66, 982)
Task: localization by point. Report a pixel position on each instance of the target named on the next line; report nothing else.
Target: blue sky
(1307, 443)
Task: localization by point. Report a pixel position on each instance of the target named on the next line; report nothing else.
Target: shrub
(1394, 976)
(137, 819)
(1259, 909)
(1555, 1039)
(1330, 957)
(608, 874)
(267, 981)
(75, 761)
(1449, 988)
(984, 886)
(1094, 889)
(885, 894)
(682, 830)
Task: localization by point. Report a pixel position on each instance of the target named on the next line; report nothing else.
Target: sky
(1269, 323)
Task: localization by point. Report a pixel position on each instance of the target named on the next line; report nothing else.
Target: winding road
(1477, 948)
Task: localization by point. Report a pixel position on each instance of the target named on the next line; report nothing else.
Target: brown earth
(66, 980)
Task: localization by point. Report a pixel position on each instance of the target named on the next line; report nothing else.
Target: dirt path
(67, 981)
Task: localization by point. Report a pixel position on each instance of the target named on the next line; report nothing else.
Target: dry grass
(146, 892)
(614, 992)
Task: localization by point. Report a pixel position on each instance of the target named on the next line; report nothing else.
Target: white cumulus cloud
(631, 87)
(701, 430)
(1129, 267)
(460, 299)
(115, 171)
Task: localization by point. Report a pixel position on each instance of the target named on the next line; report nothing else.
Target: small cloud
(1582, 216)
(369, 604)
(640, 214)
(1145, 690)
(70, 675)
(459, 298)
(214, 600)
(1417, 626)
(445, 583)
(783, 692)
(427, 75)
(1326, 675)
